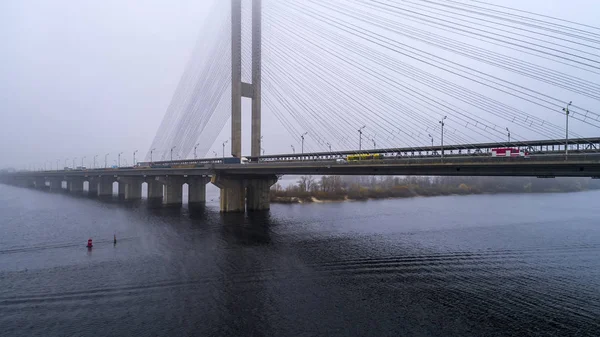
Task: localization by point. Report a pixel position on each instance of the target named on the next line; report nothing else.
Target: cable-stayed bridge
(425, 87)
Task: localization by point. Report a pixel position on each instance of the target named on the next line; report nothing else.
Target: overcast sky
(84, 78)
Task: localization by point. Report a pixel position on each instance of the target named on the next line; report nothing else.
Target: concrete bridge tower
(241, 89)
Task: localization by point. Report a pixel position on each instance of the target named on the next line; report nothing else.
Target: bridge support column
(197, 190)
(56, 184)
(155, 191)
(258, 193)
(105, 187)
(237, 193)
(173, 191)
(40, 183)
(75, 185)
(131, 188)
(92, 187)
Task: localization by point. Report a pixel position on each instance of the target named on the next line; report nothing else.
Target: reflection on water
(453, 266)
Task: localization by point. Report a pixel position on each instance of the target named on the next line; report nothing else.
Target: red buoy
(89, 245)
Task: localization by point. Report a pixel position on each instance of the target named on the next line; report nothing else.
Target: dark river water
(504, 265)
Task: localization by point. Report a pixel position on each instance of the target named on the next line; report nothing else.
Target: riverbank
(337, 189)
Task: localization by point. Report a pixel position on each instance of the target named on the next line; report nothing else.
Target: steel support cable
(292, 111)
(596, 63)
(370, 74)
(486, 20)
(526, 18)
(311, 93)
(173, 128)
(217, 123)
(322, 101)
(394, 82)
(339, 39)
(518, 66)
(434, 21)
(334, 70)
(317, 65)
(357, 33)
(532, 19)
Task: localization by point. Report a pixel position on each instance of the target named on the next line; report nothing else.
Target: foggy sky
(85, 78)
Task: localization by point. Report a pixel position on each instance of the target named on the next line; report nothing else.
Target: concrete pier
(155, 191)
(258, 192)
(197, 190)
(40, 183)
(56, 184)
(105, 187)
(237, 193)
(130, 188)
(75, 185)
(93, 187)
(173, 191)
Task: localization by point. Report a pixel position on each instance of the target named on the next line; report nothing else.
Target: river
(484, 265)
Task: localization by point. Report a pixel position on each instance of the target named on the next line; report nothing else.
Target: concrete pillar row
(130, 188)
(155, 190)
(173, 191)
(258, 193)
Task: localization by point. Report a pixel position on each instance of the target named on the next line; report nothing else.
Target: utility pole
(566, 110)
(151, 154)
(106, 160)
(195, 147)
(303, 141)
(134, 152)
(360, 137)
(442, 142)
(172, 152)
(225, 142)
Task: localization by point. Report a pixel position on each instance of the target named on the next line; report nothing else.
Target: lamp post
(195, 147)
(293, 149)
(66, 159)
(74, 162)
(507, 130)
(360, 132)
(442, 142)
(151, 154)
(106, 160)
(225, 142)
(134, 152)
(566, 110)
(302, 136)
(374, 144)
(57, 164)
(82, 160)
(329, 145)
(263, 151)
(119, 159)
(172, 152)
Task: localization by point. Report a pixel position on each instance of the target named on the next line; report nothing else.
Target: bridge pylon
(241, 89)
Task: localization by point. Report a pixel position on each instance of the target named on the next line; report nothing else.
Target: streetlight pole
(263, 151)
(151, 154)
(360, 137)
(374, 144)
(106, 160)
(119, 159)
(566, 110)
(507, 130)
(293, 149)
(225, 142)
(195, 147)
(172, 152)
(66, 159)
(442, 142)
(134, 152)
(74, 162)
(304, 134)
(96, 156)
(82, 161)
(57, 164)
(329, 145)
